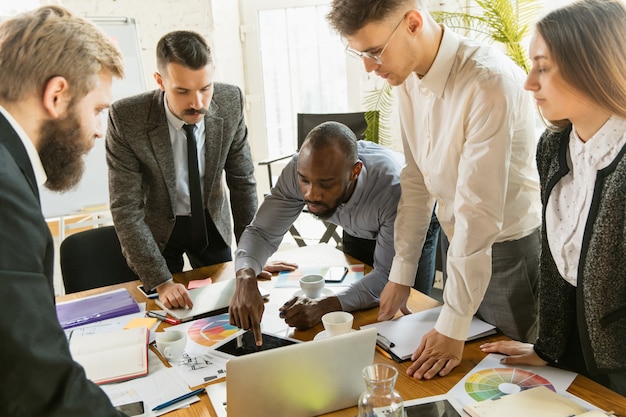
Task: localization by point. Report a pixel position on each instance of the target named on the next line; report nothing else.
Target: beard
(331, 209)
(61, 149)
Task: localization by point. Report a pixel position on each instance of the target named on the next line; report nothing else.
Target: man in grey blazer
(149, 170)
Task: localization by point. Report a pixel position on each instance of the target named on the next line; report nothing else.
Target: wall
(153, 19)
(217, 20)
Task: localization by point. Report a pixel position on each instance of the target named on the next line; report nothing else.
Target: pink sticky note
(197, 283)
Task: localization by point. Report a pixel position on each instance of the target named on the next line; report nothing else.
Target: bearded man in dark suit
(56, 72)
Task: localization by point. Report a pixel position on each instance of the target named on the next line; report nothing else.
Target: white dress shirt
(33, 155)
(469, 141)
(178, 138)
(570, 200)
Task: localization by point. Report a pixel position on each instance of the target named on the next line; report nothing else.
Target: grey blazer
(142, 178)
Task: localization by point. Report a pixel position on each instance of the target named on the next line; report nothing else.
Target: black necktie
(198, 226)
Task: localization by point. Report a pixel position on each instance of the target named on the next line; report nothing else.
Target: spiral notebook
(400, 337)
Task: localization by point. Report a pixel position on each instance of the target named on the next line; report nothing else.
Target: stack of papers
(96, 308)
(400, 337)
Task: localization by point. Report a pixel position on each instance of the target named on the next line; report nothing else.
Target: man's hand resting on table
(392, 299)
(304, 313)
(518, 353)
(246, 307)
(174, 295)
(277, 266)
(436, 355)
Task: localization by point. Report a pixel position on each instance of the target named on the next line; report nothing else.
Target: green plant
(379, 105)
(502, 21)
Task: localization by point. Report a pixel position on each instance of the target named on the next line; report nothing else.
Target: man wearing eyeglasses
(468, 134)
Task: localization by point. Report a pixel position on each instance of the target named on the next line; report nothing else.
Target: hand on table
(518, 353)
(436, 355)
(174, 295)
(246, 307)
(277, 266)
(304, 313)
(392, 299)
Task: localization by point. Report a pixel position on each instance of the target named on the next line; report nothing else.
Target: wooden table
(407, 387)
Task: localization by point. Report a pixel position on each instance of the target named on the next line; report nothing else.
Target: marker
(162, 317)
(384, 342)
(178, 399)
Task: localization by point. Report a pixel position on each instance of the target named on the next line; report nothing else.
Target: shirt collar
(601, 143)
(437, 76)
(33, 155)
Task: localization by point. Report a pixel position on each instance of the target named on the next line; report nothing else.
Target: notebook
(300, 380)
(112, 357)
(96, 308)
(400, 337)
(209, 300)
(538, 401)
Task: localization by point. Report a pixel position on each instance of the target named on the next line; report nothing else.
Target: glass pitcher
(380, 394)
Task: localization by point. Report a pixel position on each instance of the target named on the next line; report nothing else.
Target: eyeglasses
(374, 57)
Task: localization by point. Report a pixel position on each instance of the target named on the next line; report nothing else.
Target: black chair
(92, 259)
(306, 122)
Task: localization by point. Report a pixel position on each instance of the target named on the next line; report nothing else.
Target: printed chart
(491, 384)
(211, 330)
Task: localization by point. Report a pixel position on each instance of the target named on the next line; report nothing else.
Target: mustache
(193, 112)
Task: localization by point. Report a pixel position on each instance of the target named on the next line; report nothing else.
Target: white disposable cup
(312, 285)
(337, 322)
(171, 344)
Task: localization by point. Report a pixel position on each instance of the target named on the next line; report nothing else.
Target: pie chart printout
(211, 330)
(491, 384)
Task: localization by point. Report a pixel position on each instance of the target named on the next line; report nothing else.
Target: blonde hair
(47, 42)
(587, 40)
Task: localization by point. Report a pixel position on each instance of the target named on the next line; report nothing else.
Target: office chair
(306, 122)
(92, 259)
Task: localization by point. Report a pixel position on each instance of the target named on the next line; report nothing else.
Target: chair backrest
(307, 121)
(92, 259)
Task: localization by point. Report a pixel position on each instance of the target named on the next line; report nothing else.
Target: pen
(178, 399)
(162, 317)
(384, 342)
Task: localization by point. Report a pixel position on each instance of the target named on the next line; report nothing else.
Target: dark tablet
(248, 345)
(440, 408)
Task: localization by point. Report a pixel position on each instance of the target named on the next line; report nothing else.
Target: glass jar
(380, 395)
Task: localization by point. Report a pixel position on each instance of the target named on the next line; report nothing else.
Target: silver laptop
(300, 380)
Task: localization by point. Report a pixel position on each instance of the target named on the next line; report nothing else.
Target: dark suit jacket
(142, 178)
(38, 376)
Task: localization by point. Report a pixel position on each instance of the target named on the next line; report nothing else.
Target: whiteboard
(93, 189)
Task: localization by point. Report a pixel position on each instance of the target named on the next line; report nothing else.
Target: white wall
(155, 18)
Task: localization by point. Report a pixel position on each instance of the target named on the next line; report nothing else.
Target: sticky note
(141, 322)
(197, 283)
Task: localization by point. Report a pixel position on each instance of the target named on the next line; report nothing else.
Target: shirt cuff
(453, 325)
(403, 273)
(248, 262)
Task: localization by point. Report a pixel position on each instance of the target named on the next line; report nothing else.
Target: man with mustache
(56, 72)
(353, 184)
(152, 172)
